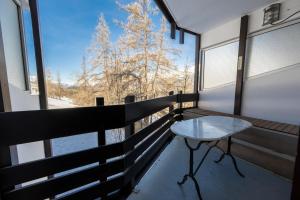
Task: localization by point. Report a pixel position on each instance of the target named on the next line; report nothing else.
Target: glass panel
(220, 65)
(273, 50)
(30, 51)
(12, 44)
(88, 52)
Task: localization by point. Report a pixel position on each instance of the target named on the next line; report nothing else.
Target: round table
(205, 130)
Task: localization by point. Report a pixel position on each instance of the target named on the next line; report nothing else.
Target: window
(14, 48)
(220, 65)
(273, 50)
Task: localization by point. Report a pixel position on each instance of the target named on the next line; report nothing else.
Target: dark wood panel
(296, 180)
(188, 97)
(282, 127)
(198, 65)
(139, 110)
(48, 124)
(161, 5)
(114, 196)
(36, 169)
(97, 190)
(130, 129)
(30, 126)
(133, 155)
(58, 185)
(147, 157)
(33, 4)
(260, 123)
(142, 134)
(241, 65)
(163, 8)
(181, 36)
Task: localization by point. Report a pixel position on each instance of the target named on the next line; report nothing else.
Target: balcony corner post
(129, 130)
(179, 100)
(171, 108)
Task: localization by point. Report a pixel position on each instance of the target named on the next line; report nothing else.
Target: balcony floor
(217, 181)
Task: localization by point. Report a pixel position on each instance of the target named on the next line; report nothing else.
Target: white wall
(230, 30)
(220, 34)
(288, 7)
(21, 100)
(274, 95)
(218, 99)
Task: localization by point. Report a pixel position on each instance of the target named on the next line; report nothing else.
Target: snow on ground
(60, 103)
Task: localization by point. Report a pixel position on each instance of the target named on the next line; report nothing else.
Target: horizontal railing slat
(142, 134)
(31, 126)
(187, 97)
(97, 190)
(36, 169)
(60, 184)
(146, 157)
(134, 154)
(139, 110)
(140, 149)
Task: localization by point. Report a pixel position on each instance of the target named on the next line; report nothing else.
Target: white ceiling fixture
(202, 15)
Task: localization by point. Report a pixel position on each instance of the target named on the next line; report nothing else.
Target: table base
(191, 174)
(228, 153)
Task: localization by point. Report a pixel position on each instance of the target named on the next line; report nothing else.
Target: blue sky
(67, 27)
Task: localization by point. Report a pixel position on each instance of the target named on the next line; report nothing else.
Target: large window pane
(10, 27)
(273, 50)
(220, 65)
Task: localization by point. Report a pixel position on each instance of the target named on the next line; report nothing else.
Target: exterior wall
(274, 96)
(271, 95)
(218, 99)
(21, 99)
(230, 30)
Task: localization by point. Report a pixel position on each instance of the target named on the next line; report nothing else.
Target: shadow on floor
(217, 181)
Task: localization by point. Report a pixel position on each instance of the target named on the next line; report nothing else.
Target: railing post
(171, 108)
(198, 65)
(101, 135)
(180, 104)
(296, 179)
(129, 130)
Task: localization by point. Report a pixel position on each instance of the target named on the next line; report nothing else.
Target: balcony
(125, 169)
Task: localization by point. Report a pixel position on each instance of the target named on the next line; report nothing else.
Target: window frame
(23, 44)
(214, 46)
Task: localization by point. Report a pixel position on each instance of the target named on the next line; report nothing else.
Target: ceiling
(202, 15)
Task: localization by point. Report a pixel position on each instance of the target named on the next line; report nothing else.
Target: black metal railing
(121, 165)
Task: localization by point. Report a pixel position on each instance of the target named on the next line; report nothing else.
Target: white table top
(209, 128)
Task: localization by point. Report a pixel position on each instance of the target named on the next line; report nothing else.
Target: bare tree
(84, 95)
(59, 86)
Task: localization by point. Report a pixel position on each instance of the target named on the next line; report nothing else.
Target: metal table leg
(228, 153)
(191, 174)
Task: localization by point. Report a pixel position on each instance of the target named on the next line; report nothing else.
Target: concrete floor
(217, 181)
